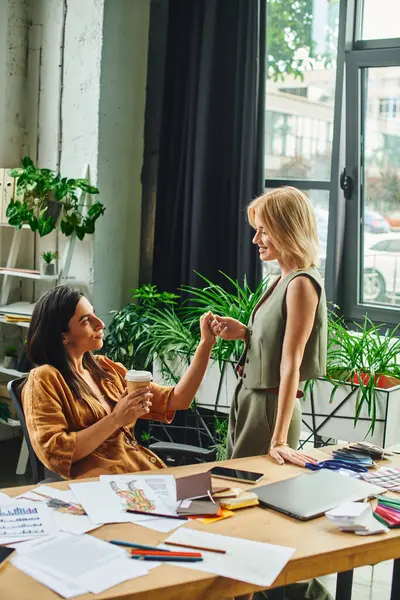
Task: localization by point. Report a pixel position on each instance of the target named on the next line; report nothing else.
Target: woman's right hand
(130, 407)
(228, 328)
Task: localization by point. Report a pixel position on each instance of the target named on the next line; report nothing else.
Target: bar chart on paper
(23, 520)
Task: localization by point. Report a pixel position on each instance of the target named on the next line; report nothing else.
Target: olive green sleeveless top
(261, 358)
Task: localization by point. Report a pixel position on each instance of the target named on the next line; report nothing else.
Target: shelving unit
(9, 271)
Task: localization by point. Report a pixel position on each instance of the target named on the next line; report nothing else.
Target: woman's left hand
(205, 328)
(282, 454)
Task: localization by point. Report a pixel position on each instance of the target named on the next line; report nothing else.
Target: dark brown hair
(50, 319)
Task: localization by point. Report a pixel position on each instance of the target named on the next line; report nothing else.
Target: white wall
(90, 111)
(13, 55)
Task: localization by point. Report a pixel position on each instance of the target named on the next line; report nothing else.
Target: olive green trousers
(251, 425)
(252, 421)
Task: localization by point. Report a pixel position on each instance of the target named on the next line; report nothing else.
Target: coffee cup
(137, 379)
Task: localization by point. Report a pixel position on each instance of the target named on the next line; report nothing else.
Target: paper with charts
(22, 520)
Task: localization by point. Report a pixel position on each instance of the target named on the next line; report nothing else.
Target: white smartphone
(236, 475)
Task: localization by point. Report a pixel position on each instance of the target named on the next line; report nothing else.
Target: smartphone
(236, 475)
(5, 554)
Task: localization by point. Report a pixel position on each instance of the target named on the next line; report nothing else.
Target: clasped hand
(228, 328)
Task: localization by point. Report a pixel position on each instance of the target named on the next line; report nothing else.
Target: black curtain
(211, 145)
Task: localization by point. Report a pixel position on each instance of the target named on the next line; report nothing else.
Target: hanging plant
(43, 199)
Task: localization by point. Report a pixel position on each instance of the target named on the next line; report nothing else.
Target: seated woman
(79, 415)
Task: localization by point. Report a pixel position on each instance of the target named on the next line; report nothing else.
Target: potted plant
(48, 266)
(128, 327)
(157, 328)
(360, 396)
(173, 334)
(44, 199)
(10, 357)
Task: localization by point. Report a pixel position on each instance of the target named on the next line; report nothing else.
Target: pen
(196, 547)
(153, 514)
(132, 545)
(167, 558)
(161, 552)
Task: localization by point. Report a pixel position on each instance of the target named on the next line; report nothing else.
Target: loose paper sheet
(20, 520)
(253, 562)
(133, 491)
(68, 514)
(92, 564)
(101, 504)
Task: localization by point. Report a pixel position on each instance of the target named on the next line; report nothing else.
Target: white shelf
(25, 226)
(11, 372)
(23, 275)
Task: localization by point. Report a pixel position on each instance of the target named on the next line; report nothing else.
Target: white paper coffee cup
(136, 379)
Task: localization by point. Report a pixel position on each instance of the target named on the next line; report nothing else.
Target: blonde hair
(289, 220)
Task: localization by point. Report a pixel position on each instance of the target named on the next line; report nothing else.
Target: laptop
(310, 495)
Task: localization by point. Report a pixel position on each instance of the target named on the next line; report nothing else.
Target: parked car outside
(394, 220)
(381, 266)
(374, 222)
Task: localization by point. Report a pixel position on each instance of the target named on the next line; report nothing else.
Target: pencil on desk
(161, 552)
(193, 547)
(167, 558)
(136, 546)
(153, 514)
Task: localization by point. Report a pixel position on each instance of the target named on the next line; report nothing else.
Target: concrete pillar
(120, 152)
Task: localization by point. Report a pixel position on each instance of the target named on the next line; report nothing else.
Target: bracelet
(277, 444)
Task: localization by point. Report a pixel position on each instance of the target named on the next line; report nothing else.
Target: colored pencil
(137, 546)
(152, 514)
(161, 552)
(193, 547)
(167, 558)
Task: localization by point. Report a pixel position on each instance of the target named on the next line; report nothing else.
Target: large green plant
(129, 326)
(176, 330)
(362, 357)
(40, 191)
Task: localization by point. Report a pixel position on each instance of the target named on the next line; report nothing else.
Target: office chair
(40, 473)
(174, 454)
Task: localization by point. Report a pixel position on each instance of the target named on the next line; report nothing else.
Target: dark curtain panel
(211, 147)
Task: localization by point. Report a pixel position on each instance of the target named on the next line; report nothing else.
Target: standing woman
(286, 337)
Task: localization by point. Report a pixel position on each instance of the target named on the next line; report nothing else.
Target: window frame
(354, 308)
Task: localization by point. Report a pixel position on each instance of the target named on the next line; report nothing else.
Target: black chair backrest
(14, 389)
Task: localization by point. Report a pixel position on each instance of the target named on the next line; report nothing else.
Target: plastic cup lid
(138, 376)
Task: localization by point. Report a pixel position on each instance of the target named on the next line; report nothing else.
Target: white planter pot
(215, 391)
(336, 419)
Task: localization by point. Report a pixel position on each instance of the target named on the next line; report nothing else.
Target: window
(302, 41)
(380, 19)
(301, 50)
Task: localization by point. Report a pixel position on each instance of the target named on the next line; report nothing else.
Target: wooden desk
(320, 549)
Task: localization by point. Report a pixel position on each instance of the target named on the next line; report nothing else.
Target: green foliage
(360, 357)
(128, 327)
(4, 412)
(237, 303)
(156, 325)
(39, 191)
(11, 351)
(221, 433)
(48, 256)
(289, 29)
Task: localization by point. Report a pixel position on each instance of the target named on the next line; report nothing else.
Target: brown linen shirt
(53, 417)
